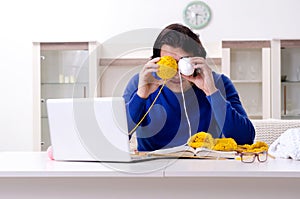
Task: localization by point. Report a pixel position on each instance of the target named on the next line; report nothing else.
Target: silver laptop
(90, 129)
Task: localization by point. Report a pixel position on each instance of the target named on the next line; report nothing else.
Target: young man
(206, 101)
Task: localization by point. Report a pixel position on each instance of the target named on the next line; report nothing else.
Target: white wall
(23, 22)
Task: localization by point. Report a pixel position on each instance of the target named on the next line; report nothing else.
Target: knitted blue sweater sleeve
(133, 102)
(229, 112)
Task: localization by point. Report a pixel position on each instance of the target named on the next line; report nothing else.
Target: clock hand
(197, 15)
(193, 14)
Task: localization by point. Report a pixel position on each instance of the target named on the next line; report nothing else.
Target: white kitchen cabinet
(286, 78)
(61, 70)
(248, 65)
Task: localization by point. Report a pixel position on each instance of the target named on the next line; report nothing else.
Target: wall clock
(197, 14)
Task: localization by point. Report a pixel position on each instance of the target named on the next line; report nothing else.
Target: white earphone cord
(184, 106)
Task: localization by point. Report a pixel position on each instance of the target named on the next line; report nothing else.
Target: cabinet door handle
(42, 100)
(84, 91)
(284, 100)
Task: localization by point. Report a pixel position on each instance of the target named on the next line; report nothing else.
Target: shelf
(57, 83)
(290, 117)
(255, 117)
(247, 81)
(246, 44)
(140, 61)
(290, 43)
(290, 83)
(64, 46)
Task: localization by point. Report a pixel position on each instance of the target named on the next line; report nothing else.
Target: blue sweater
(220, 114)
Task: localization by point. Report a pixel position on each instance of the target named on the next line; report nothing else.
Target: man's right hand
(147, 83)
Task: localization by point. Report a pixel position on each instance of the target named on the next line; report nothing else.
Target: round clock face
(197, 14)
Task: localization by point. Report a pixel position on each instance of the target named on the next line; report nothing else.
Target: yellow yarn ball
(167, 67)
(225, 144)
(259, 146)
(201, 139)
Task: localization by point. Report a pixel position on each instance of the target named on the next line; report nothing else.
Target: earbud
(185, 67)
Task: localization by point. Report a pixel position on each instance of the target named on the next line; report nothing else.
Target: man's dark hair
(179, 36)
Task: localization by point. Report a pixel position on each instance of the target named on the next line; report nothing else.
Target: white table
(33, 175)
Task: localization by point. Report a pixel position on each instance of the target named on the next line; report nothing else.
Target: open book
(185, 151)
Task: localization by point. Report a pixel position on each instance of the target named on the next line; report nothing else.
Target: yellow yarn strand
(137, 125)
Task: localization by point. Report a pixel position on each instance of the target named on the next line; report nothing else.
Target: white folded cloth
(287, 145)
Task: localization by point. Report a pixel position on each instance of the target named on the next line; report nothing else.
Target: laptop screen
(89, 129)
